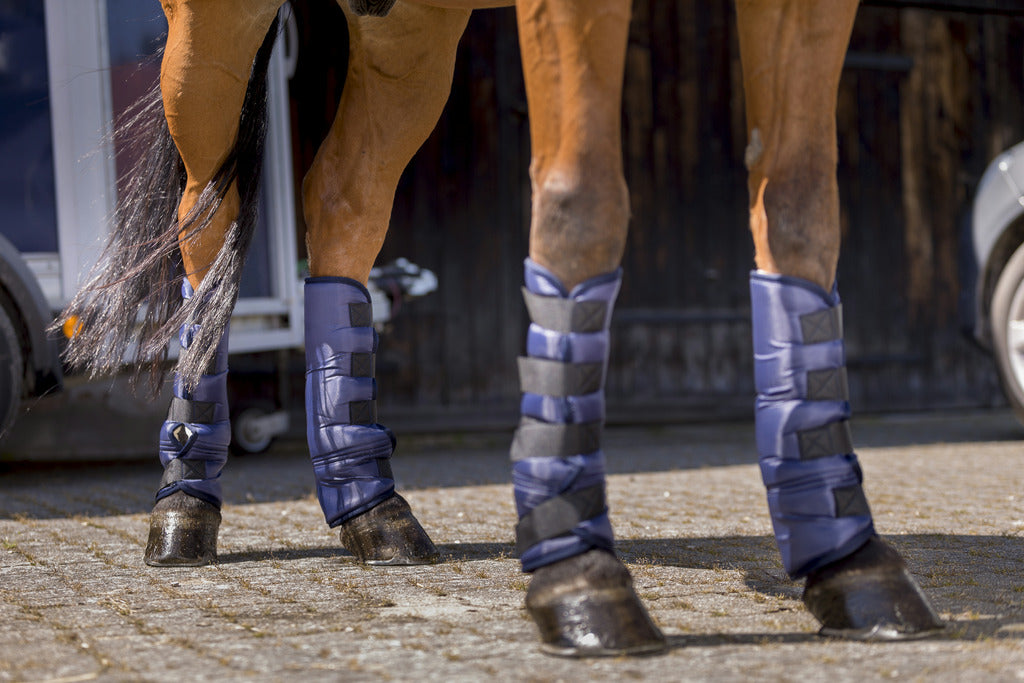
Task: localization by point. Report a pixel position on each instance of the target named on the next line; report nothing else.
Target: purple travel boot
(350, 451)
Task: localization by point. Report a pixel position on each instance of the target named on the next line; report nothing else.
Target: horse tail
(131, 305)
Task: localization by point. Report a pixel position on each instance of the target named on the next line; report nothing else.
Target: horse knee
(579, 225)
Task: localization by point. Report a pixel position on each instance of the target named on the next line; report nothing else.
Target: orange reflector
(72, 326)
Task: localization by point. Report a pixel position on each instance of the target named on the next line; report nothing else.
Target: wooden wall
(927, 98)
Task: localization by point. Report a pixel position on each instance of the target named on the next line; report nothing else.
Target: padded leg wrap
(817, 505)
(350, 451)
(558, 467)
(195, 437)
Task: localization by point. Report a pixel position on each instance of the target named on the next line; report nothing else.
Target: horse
(189, 214)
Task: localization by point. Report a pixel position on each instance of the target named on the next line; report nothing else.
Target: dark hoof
(870, 595)
(372, 8)
(585, 606)
(388, 534)
(182, 532)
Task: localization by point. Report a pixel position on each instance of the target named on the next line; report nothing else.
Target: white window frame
(85, 177)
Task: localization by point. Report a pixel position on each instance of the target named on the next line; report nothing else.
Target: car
(29, 363)
(997, 238)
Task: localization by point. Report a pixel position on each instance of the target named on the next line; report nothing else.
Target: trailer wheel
(254, 426)
(12, 371)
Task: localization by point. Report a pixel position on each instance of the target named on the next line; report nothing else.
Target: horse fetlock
(585, 606)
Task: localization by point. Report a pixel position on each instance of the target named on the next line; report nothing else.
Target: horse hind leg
(857, 586)
(399, 76)
(206, 78)
(581, 595)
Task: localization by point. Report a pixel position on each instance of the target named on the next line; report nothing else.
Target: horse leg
(581, 596)
(210, 51)
(857, 586)
(399, 77)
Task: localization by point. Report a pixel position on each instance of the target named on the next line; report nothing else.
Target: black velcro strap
(196, 412)
(555, 378)
(832, 439)
(360, 315)
(362, 412)
(384, 468)
(535, 438)
(828, 385)
(178, 469)
(851, 501)
(823, 326)
(558, 516)
(362, 365)
(565, 315)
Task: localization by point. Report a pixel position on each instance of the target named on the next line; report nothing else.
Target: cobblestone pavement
(284, 602)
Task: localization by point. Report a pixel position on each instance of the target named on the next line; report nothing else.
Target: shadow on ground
(59, 489)
(975, 582)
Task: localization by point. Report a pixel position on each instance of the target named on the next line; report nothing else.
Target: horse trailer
(69, 69)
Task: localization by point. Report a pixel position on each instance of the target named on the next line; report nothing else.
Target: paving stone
(285, 602)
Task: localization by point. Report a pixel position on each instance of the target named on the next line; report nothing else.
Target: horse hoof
(869, 595)
(585, 606)
(388, 534)
(182, 532)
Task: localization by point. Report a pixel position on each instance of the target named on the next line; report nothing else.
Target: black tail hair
(140, 272)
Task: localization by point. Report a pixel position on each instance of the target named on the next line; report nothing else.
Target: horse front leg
(857, 586)
(205, 74)
(581, 596)
(399, 76)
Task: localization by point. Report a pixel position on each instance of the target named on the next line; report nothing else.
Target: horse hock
(581, 596)
(350, 451)
(194, 443)
(857, 586)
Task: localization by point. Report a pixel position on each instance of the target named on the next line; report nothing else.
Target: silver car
(997, 231)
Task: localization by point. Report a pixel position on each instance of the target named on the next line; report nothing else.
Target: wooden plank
(927, 99)
(1002, 7)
